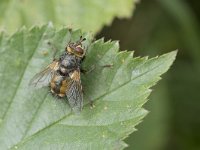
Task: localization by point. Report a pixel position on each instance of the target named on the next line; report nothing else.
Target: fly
(63, 75)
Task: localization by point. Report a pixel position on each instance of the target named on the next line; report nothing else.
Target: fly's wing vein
(74, 93)
(44, 77)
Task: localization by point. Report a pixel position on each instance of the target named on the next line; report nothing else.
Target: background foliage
(157, 26)
(71, 13)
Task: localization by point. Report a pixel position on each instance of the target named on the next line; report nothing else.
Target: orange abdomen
(59, 85)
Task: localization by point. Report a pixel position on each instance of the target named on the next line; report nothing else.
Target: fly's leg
(91, 103)
(93, 67)
(87, 71)
(107, 66)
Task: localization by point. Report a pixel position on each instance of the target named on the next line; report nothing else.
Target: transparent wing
(44, 77)
(74, 92)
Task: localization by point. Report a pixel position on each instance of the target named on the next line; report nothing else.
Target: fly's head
(76, 48)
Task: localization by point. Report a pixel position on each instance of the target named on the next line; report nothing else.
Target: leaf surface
(90, 15)
(34, 119)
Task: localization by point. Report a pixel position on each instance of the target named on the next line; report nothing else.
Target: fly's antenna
(79, 42)
(82, 39)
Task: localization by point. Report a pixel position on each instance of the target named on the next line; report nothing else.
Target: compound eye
(79, 50)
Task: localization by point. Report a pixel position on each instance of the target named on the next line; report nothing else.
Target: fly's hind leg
(93, 67)
(107, 66)
(87, 71)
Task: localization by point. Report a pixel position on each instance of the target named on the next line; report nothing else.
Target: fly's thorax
(69, 62)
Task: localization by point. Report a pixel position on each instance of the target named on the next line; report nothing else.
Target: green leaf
(33, 119)
(90, 15)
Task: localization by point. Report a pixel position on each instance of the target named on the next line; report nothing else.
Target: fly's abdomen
(64, 87)
(68, 64)
(56, 84)
(59, 85)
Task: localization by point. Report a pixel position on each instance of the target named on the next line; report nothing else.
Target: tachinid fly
(63, 75)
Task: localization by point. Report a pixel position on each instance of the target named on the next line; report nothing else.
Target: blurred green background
(156, 27)
(159, 26)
